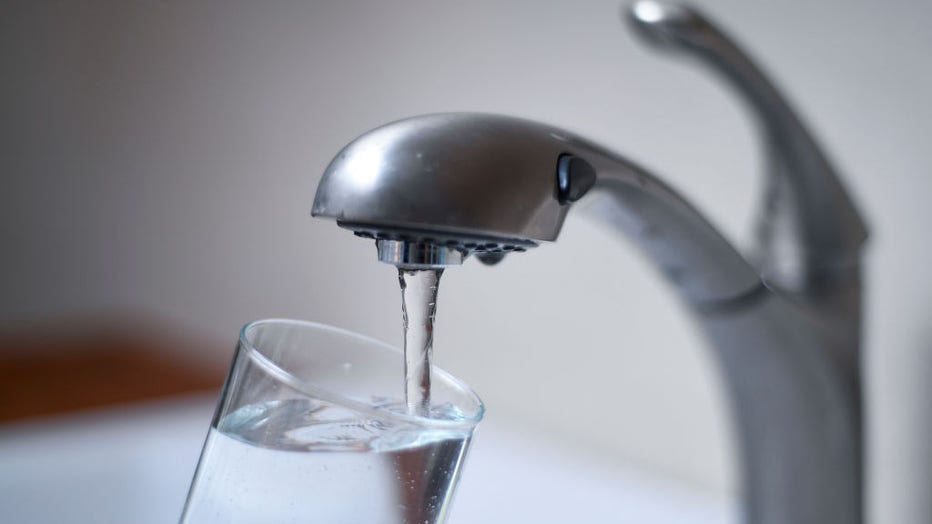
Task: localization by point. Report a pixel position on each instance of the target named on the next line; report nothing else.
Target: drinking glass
(312, 427)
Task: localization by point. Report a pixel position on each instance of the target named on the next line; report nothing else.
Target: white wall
(163, 157)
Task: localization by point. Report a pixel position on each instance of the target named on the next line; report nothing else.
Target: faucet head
(434, 189)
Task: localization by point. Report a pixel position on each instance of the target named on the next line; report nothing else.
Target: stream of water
(418, 307)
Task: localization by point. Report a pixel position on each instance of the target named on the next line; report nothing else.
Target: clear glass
(312, 427)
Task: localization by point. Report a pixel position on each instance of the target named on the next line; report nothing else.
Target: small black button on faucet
(575, 177)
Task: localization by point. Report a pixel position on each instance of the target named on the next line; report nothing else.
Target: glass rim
(328, 395)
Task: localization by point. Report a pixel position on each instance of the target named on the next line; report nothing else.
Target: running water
(418, 307)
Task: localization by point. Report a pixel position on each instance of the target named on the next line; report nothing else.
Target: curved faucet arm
(694, 257)
(809, 231)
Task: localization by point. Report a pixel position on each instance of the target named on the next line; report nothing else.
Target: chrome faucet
(783, 321)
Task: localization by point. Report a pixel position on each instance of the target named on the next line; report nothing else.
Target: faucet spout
(491, 184)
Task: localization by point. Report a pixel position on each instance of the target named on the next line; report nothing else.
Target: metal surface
(461, 174)
(467, 175)
(783, 322)
(808, 228)
(417, 255)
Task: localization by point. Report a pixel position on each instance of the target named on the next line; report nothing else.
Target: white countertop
(134, 464)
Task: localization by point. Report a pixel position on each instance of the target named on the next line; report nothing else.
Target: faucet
(782, 321)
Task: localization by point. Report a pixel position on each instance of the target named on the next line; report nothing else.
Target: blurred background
(159, 160)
